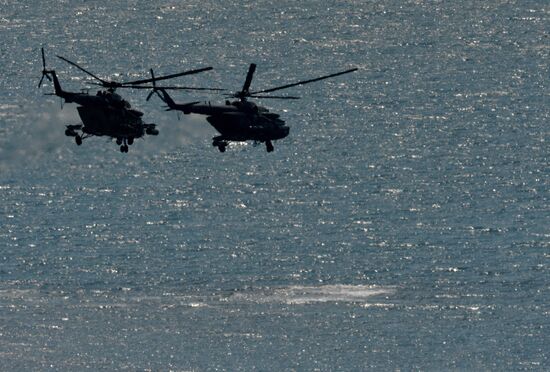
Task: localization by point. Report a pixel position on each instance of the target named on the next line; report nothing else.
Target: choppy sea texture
(403, 224)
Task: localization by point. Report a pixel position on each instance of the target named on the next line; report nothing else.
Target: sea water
(403, 224)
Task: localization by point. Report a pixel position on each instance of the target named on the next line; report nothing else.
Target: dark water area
(403, 224)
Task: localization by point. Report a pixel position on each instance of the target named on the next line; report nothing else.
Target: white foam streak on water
(292, 295)
(300, 295)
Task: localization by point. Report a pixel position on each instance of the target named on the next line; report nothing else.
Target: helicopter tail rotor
(45, 72)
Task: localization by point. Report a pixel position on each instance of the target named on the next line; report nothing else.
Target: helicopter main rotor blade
(304, 82)
(158, 78)
(114, 84)
(248, 80)
(274, 97)
(105, 83)
(172, 88)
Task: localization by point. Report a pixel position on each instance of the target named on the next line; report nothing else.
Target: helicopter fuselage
(107, 114)
(242, 121)
(109, 121)
(104, 114)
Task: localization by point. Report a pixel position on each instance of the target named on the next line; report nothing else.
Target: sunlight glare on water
(403, 223)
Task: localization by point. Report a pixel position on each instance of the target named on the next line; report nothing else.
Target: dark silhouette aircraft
(107, 113)
(241, 120)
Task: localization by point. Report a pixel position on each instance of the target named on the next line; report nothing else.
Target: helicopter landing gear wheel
(124, 147)
(130, 141)
(269, 146)
(220, 144)
(119, 141)
(78, 140)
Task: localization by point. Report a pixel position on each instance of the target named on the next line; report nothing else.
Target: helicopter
(107, 113)
(241, 120)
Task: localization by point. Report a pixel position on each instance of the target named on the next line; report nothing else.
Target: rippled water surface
(403, 224)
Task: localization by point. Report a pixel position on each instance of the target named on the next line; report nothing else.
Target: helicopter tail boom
(165, 97)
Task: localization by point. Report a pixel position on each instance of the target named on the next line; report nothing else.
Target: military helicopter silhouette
(241, 120)
(106, 113)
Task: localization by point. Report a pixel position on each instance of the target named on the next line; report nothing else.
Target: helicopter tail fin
(57, 86)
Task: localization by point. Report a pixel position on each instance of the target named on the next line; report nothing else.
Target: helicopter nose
(281, 132)
(286, 130)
